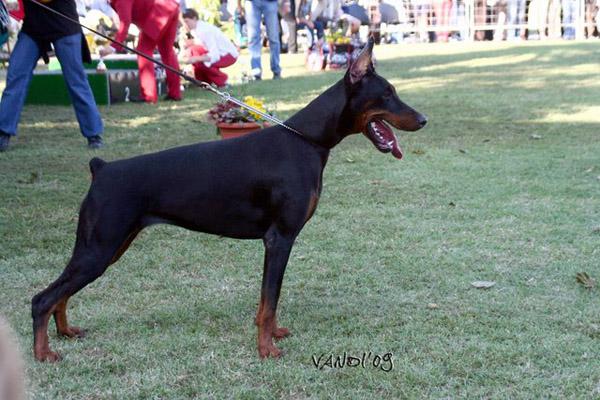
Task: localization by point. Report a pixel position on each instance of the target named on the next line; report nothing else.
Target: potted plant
(340, 50)
(234, 121)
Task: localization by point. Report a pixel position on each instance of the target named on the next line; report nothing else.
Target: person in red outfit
(211, 51)
(157, 21)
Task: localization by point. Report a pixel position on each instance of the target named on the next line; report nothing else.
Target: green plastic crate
(49, 88)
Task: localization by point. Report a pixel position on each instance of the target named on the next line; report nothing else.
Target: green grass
(502, 185)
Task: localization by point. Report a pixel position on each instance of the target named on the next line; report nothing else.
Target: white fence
(443, 20)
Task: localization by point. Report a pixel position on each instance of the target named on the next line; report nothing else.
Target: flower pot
(236, 129)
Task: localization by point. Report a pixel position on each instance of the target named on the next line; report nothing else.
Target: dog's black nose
(422, 120)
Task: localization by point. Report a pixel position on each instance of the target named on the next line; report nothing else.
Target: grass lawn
(502, 185)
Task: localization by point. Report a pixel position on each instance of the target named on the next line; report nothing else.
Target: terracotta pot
(236, 129)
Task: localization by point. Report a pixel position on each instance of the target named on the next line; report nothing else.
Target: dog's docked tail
(96, 165)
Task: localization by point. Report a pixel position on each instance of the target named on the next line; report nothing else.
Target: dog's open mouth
(383, 137)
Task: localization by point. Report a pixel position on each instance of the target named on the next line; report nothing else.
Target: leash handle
(204, 85)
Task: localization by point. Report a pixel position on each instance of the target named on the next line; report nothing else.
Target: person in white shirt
(211, 50)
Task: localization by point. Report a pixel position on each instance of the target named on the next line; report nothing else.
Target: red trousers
(212, 74)
(164, 43)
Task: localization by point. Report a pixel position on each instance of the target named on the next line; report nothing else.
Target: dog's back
(237, 181)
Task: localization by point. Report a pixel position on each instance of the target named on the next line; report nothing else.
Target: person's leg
(445, 18)
(500, 20)
(207, 74)
(543, 18)
(588, 22)
(575, 11)
(213, 74)
(146, 45)
(320, 28)
(253, 19)
(554, 21)
(512, 8)
(226, 61)
(292, 36)
(437, 11)
(193, 51)
(168, 56)
(237, 28)
(272, 25)
(68, 52)
(20, 69)
(480, 18)
(462, 21)
(200, 72)
(421, 15)
(521, 17)
(567, 19)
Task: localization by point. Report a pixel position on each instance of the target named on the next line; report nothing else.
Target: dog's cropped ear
(363, 63)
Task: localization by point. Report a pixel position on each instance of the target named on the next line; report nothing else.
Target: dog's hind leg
(100, 241)
(60, 313)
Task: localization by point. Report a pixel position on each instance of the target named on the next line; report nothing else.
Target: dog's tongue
(396, 149)
(389, 139)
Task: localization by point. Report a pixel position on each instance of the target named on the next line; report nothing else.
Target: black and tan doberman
(265, 185)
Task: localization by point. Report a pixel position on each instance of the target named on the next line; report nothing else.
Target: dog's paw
(73, 332)
(48, 356)
(269, 351)
(280, 333)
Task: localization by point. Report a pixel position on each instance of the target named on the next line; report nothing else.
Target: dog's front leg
(277, 252)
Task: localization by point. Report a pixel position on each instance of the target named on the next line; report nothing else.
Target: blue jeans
(570, 11)
(255, 9)
(516, 16)
(20, 70)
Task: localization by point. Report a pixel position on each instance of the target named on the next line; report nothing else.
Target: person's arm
(188, 59)
(194, 55)
(123, 9)
(197, 59)
(209, 41)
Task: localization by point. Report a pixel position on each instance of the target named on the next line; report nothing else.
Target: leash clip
(226, 96)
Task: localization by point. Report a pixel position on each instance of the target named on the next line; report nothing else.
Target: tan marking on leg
(62, 325)
(266, 325)
(124, 246)
(41, 348)
(312, 206)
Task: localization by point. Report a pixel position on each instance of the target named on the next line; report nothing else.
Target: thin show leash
(204, 85)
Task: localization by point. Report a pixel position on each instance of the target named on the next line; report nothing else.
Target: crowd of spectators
(289, 25)
(430, 20)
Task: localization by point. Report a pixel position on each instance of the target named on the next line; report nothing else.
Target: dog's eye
(389, 92)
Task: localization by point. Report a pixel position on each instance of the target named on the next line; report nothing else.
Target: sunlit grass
(581, 115)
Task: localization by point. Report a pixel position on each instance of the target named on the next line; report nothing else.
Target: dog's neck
(323, 120)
